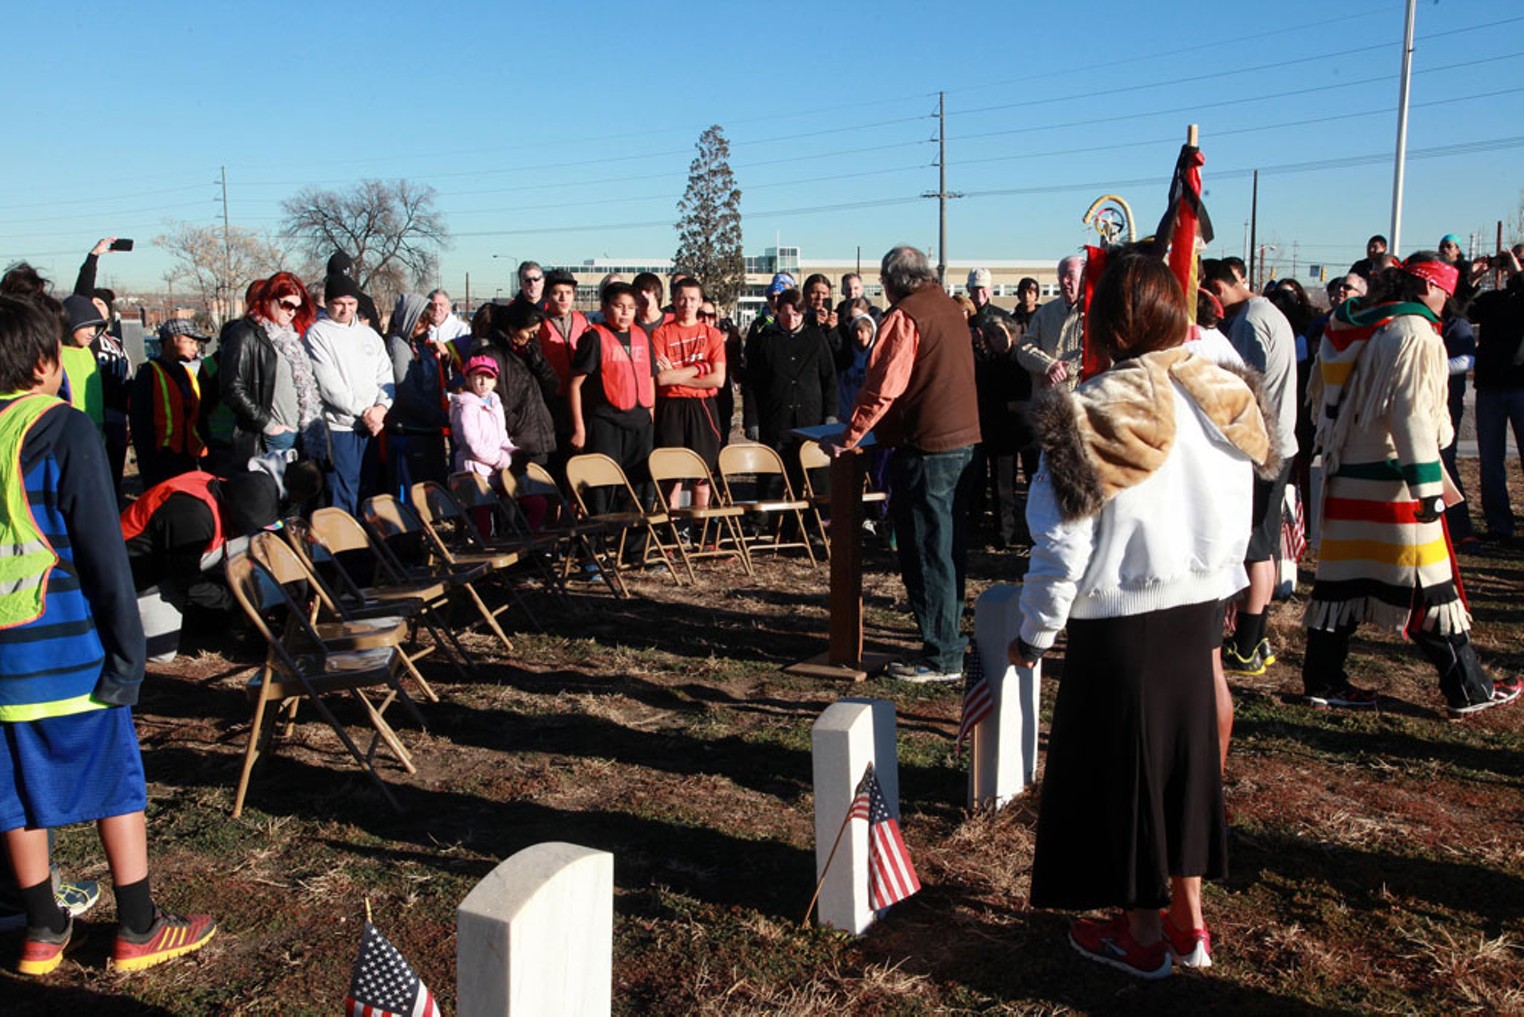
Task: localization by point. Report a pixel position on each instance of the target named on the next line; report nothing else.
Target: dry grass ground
(1375, 859)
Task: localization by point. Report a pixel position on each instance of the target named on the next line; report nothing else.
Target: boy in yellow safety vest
(71, 659)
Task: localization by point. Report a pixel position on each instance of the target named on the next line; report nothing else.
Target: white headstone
(886, 750)
(535, 938)
(1004, 749)
(845, 739)
(161, 624)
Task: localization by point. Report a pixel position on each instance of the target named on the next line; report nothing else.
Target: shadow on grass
(694, 859)
(1023, 959)
(24, 997)
(1322, 737)
(1365, 879)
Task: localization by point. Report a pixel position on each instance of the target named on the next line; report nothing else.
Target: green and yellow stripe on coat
(1382, 421)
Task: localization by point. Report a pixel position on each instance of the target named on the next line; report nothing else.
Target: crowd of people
(1151, 493)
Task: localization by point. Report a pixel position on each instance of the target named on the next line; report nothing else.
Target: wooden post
(846, 626)
(844, 657)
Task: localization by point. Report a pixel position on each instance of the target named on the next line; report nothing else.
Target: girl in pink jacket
(482, 444)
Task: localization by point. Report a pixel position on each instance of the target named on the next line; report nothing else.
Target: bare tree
(393, 231)
(709, 222)
(217, 268)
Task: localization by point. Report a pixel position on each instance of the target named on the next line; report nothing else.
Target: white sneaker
(921, 672)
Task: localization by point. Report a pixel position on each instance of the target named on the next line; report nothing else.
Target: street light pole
(1400, 161)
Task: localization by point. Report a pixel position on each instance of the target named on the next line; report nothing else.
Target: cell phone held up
(121, 245)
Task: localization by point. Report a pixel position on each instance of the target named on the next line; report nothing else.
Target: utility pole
(1254, 232)
(1296, 249)
(1400, 161)
(227, 252)
(941, 193)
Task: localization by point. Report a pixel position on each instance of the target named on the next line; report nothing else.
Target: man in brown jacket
(919, 399)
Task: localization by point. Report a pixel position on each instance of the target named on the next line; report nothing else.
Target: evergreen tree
(709, 222)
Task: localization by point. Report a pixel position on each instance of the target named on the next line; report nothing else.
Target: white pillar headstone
(845, 739)
(1004, 747)
(886, 751)
(535, 938)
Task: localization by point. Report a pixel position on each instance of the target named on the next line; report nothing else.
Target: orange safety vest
(135, 516)
(174, 416)
(627, 378)
(560, 351)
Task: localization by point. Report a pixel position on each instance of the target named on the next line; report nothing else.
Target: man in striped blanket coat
(1385, 556)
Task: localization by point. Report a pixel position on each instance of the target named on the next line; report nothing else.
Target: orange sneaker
(43, 949)
(168, 938)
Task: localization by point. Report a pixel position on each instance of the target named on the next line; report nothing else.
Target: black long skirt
(1132, 792)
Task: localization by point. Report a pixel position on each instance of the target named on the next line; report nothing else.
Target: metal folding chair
(719, 524)
(338, 631)
(310, 671)
(812, 458)
(389, 520)
(764, 465)
(593, 471)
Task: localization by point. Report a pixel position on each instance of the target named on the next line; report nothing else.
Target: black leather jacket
(247, 382)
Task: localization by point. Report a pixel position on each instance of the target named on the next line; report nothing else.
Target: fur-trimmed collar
(1115, 430)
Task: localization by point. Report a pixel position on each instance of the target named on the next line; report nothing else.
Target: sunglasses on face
(533, 278)
(707, 314)
(291, 305)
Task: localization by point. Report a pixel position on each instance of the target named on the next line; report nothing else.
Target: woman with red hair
(266, 377)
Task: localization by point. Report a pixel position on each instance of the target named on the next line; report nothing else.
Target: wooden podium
(844, 657)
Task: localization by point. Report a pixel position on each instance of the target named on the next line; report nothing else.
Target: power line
(1342, 162)
(1191, 108)
(1176, 80)
(1175, 52)
(1254, 129)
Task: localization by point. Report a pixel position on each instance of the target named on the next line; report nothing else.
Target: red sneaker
(1191, 948)
(168, 937)
(43, 949)
(1111, 943)
(1504, 691)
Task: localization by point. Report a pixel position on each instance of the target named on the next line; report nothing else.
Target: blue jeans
(928, 502)
(283, 442)
(353, 475)
(1496, 411)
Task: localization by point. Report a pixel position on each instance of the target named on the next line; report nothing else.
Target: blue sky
(568, 136)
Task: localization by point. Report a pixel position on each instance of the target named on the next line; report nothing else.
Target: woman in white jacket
(1139, 516)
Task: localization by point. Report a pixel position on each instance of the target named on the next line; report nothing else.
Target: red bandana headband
(1440, 273)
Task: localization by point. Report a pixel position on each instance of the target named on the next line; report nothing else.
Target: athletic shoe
(168, 938)
(1254, 664)
(43, 950)
(1265, 653)
(1346, 698)
(921, 672)
(77, 896)
(1505, 691)
(1189, 949)
(1112, 944)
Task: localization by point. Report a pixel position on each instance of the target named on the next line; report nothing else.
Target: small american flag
(385, 985)
(1293, 528)
(891, 876)
(978, 698)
